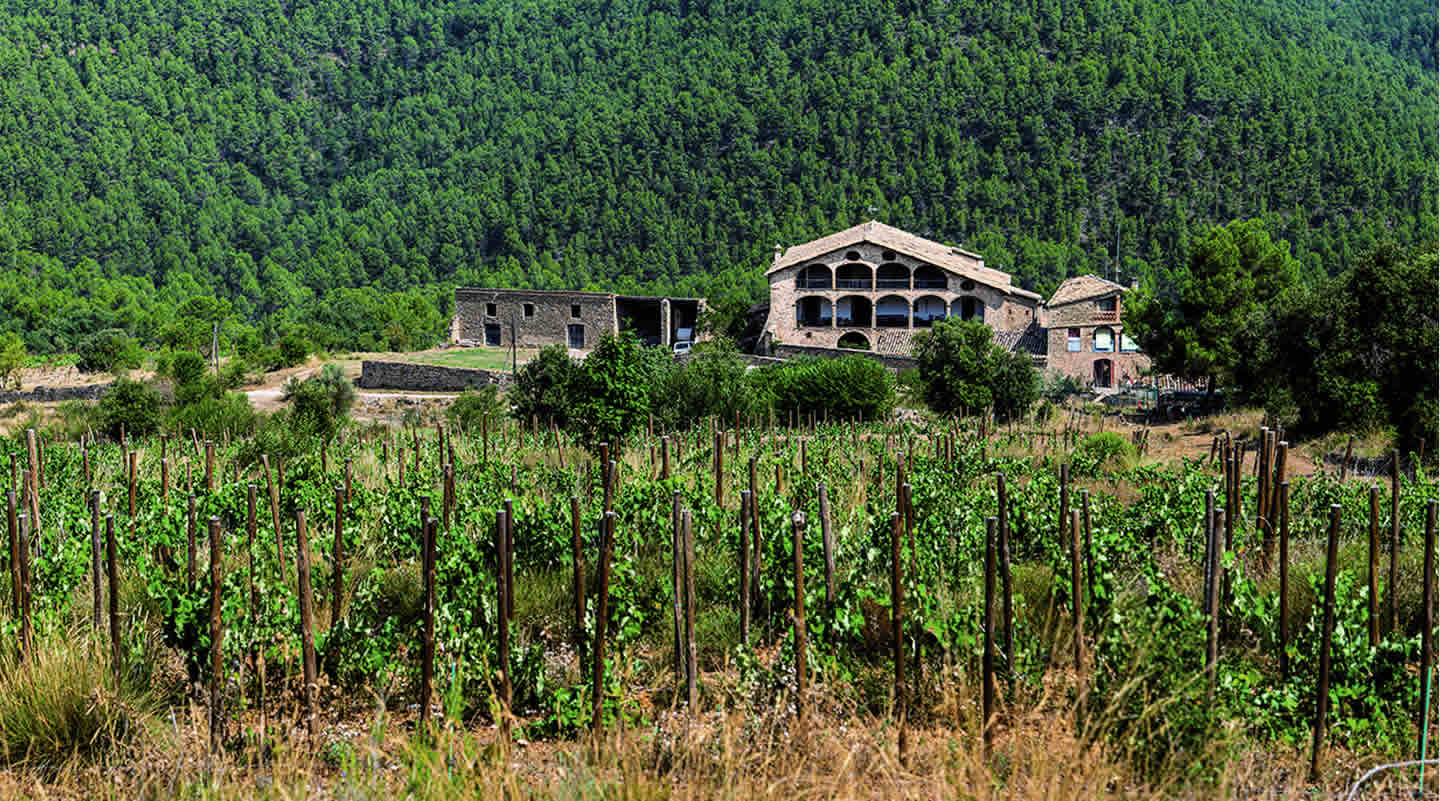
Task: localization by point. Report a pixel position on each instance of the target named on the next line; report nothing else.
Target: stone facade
(535, 318)
(426, 377)
(1086, 337)
(875, 286)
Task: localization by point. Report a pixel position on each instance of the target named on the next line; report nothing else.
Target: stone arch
(928, 309)
(854, 275)
(892, 275)
(928, 276)
(854, 340)
(812, 311)
(968, 307)
(854, 311)
(892, 311)
(813, 276)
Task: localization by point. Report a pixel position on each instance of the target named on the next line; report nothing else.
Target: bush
(712, 382)
(132, 406)
(1105, 450)
(317, 404)
(964, 371)
(292, 349)
(212, 417)
(12, 359)
(544, 385)
(613, 395)
(108, 351)
(845, 387)
(475, 405)
(1058, 386)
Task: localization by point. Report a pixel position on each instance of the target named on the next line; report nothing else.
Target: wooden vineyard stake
(400, 466)
(1372, 599)
(257, 655)
(190, 542)
(1064, 504)
(578, 583)
(797, 524)
(96, 566)
(132, 479)
(1284, 579)
(165, 483)
(338, 568)
(745, 500)
(1322, 690)
(719, 468)
(1208, 559)
(1427, 620)
(677, 583)
(665, 458)
(692, 666)
(1007, 606)
(217, 639)
(32, 451)
(23, 607)
(1212, 630)
(755, 533)
(348, 467)
(427, 646)
(897, 625)
(1089, 551)
(307, 624)
(1076, 600)
(1345, 464)
(85, 462)
(117, 657)
(828, 542)
(209, 465)
(274, 492)
(987, 661)
(602, 609)
(1394, 582)
(509, 558)
(502, 624)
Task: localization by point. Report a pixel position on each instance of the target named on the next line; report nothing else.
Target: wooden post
(987, 662)
(745, 500)
(1284, 579)
(1394, 583)
(338, 568)
(117, 657)
(1089, 550)
(1007, 607)
(797, 525)
(1427, 616)
(428, 528)
(509, 559)
(828, 542)
(1345, 465)
(1322, 690)
(348, 467)
(897, 625)
(719, 468)
(165, 483)
(1372, 600)
(1064, 503)
(602, 609)
(1076, 602)
(307, 623)
(217, 639)
(209, 465)
(677, 583)
(1212, 603)
(132, 480)
(96, 566)
(190, 542)
(665, 457)
(692, 665)
(252, 527)
(1208, 560)
(33, 454)
(503, 623)
(274, 492)
(578, 582)
(755, 529)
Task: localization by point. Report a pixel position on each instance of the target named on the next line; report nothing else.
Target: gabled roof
(956, 260)
(1084, 287)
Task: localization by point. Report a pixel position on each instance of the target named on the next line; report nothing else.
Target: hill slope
(271, 153)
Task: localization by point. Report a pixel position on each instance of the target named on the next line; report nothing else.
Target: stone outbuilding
(872, 286)
(534, 318)
(1086, 335)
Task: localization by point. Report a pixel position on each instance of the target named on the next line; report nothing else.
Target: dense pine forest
(337, 166)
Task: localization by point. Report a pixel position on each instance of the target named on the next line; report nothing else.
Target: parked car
(681, 348)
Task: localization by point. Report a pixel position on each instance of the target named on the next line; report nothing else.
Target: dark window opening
(574, 310)
(489, 310)
(492, 334)
(577, 336)
(529, 310)
(853, 255)
(967, 285)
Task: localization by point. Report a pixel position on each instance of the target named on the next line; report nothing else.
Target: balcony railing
(926, 322)
(813, 283)
(815, 322)
(929, 283)
(852, 283)
(893, 283)
(891, 320)
(1112, 316)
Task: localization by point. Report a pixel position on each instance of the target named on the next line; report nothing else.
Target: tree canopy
(336, 167)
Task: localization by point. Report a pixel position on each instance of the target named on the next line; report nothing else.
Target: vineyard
(738, 608)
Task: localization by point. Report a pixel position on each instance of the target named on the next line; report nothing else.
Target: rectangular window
(1104, 340)
(1127, 345)
(1106, 304)
(492, 334)
(1072, 340)
(529, 310)
(489, 310)
(577, 336)
(575, 310)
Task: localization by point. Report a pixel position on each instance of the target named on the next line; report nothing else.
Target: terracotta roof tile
(1083, 287)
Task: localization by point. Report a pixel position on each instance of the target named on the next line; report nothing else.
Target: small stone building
(534, 318)
(1086, 337)
(872, 286)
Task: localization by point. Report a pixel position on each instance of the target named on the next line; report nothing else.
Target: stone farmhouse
(872, 286)
(532, 318)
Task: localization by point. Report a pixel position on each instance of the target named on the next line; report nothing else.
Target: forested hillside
(273, 153)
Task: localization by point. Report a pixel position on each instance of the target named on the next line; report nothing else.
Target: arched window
(968, 307)
(928, 277)
(854, 276)
(853, 311)
(928, 309)
(815, 276)
(812, 312)
(1104, 340)
(892, 311)
(854, 340)
(892, 275)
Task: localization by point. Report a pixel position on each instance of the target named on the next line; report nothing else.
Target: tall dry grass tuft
(64, 704)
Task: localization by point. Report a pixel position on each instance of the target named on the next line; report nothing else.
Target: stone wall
(1081, 364)
(426, 377)
(539, 318)
(892, 361)
(55, 394)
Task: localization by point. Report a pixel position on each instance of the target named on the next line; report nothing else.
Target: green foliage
(12, 359)
(1196, 325)
(109, 351)
(545, 386)
(213, 415)
(318, 403)
(1105, 450)
(612, 396)
(846, 387)
(131, 406)
(1058, 386)
(964, 371)
(474, 406)
(292, 349)
(712, 382)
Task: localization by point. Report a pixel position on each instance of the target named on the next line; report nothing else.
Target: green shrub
(1105, 450)
(292, 349)
(475, 405)
(614, 389)
(712, 381)
(12, 359)
(108, 351)
(1058, 386)
(130, 404)
(845, 387)
(211, 417)
(543, 386)
(964, 371)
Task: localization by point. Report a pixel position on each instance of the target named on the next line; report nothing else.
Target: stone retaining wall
(426, 377)
(891, 361)
(55, 394)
